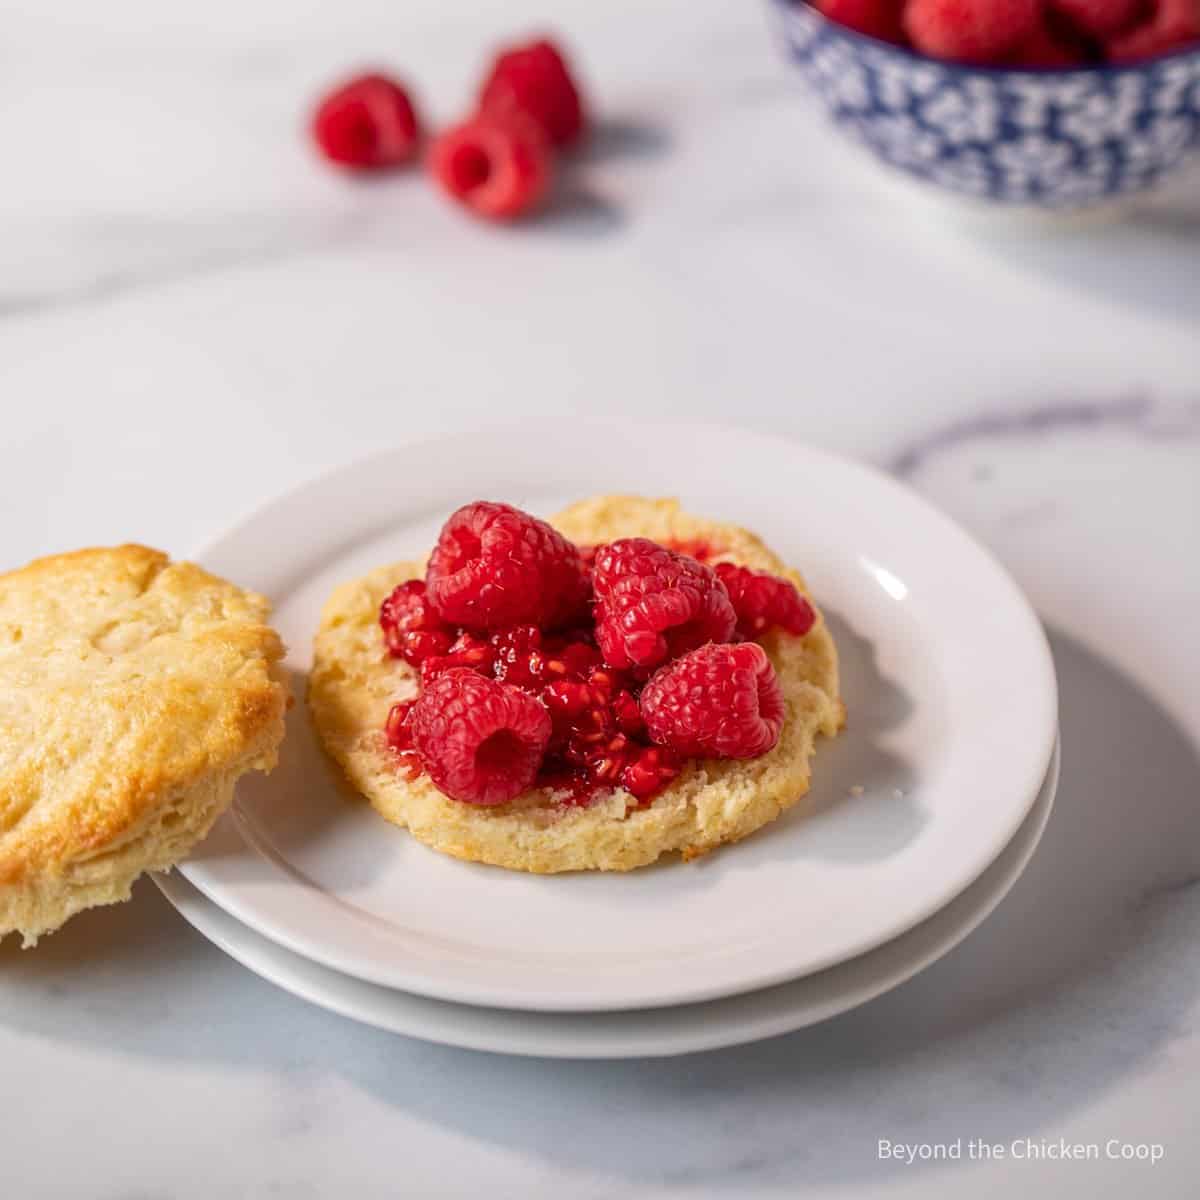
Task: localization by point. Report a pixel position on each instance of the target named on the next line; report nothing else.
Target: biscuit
(133, 693)
(354, 682)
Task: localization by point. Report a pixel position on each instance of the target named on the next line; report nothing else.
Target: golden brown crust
(133, 693)
(354, 682)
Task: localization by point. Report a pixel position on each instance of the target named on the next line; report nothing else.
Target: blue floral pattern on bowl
(1045, 137)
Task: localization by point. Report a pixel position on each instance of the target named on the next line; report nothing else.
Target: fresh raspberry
(653, 604)
(494, 565)
(975, 31)
(367, 124)
(1049, 47)
(650, 772)
(876, 18)
(482, 742)
(536, 81)
(497, 166)
(412, 630)
(764, 601)
(716, 702)
(1099, 18)
(1171, 25)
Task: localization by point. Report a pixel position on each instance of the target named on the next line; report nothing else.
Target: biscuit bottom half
(355, 681)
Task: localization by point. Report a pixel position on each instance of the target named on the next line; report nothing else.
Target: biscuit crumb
(857, 790)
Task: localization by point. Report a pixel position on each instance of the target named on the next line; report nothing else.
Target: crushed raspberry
(653, 604)
(495, 566)
(701, 551)
(497, 166)
(412, 630)
(367, 124)
(1170, 25)
(974, 31)
(534, 660)
(1099, 18)
(876, 18)
(535, 81)
(628, 715)
(716, 702)
(764, 601)
(399, 735)
(650, 771)
(574, 659)
(518, 656)
(466, 651)
(481, 741)
(398, 732)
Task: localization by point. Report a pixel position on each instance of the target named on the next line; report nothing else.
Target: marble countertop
(194, 315)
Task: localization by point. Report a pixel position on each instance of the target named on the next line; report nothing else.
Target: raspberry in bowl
(623, 682)
(1038, 104)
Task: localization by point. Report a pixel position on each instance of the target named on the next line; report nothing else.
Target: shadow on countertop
(1145, 260)
(1086, 971)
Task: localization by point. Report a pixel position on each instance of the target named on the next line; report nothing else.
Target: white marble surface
(194, 315)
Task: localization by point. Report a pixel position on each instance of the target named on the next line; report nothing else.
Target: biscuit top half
(123, 677)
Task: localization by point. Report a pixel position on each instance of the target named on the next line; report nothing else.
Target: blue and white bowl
(1043, 137)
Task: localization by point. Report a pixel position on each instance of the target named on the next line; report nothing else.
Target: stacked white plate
(922, 815)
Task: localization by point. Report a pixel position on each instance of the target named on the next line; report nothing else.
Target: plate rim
(716, 1023)
(351, 963)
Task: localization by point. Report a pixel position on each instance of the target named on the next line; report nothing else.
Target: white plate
(947, 677)
(657, 1031)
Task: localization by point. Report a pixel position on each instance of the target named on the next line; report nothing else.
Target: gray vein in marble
(1136, 414)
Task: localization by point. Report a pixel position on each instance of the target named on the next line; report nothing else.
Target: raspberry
(518, 656)
(650, 772)
(976, 31)
(467, 651)
(716, 702)
(653, 604)
(367, 124)
(1049, 47)
(495, 566)
(481, 741)
(534, 80)
(412, 630)
(1099, 18)
(397, 729)
(1172, 24)
(762, 601)
(627, 713)
(876, 18)
(603, 757)
(498, 167)
(573, 661)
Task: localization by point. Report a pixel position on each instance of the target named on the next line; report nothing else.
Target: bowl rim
(993, 69)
